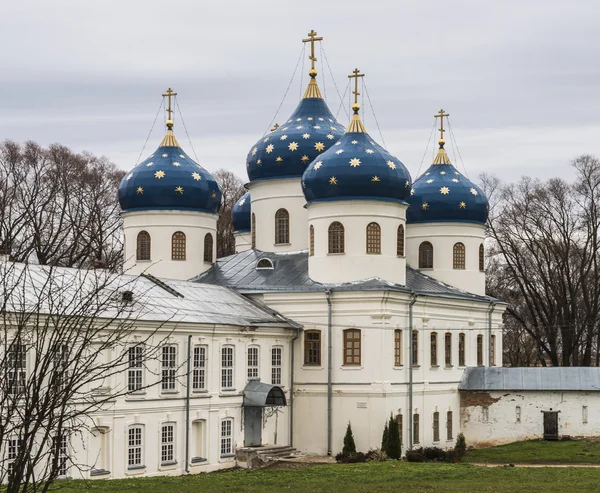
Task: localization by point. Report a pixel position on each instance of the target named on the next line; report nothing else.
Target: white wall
(356, 264)
(161, 225)
(267, 197)
(243, 241)
(443, 236)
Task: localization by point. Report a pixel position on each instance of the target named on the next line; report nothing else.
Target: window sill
(202, 391)
(136, 469)
(228, 456)
(334, 254)
(398, 367)
(448, 367)
(99, 472)
(373, 253)
(143, 261)
(352, 367)
(434, 366)
(169, 392)
(281, 244)
(312, 367)
(196, 461)
(136, 395)
(416, 366)
(459, 268)
(401, 256)
(425, 268)
(169, 463)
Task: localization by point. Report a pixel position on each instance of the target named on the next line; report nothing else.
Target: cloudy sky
(520, 78)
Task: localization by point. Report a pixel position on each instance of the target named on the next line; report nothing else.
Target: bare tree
(232, 189)
(65, 342)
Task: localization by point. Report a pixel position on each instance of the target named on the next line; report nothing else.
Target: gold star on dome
(266, 140)
(321, 119)
(425, 206)
(304, 158)
(354, 162)
(165, 155)
(140, 190)
(182, 156)
(391, 164)
(179, 190)
(444, 190)
(318, 164)
(442, 172)
(270, 148)
(279, 159)
(259, 162)
(254, 151)
(176, 164)
(298, 119)
(412, 191)
(317, 127)
(339, 151)
(429, 181)
(159, 174)
(129, 176)
(462, 205)
(355, 141)
(319, 146)
(293, 146)
(284, 128)
(369, 151)
(150, 164)
(306, 136)
(299, 127)
(454, 180)
(338, 143)
(283, 137)
(375, 179)
(214, 195)
(333, 180)
(196, 176)
(330, 120)
(473, 191)
(332, 128)
(310, 118)
(330, 137)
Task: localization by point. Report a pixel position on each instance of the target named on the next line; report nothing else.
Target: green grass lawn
(370, 477)
(538, 452)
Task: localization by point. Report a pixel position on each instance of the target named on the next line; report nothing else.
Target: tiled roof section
(290, 273)
(561, 378)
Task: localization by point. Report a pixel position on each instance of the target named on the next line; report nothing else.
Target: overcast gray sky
(520, 78)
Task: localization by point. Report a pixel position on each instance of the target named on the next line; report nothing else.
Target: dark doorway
(252, 426)
(550, 425)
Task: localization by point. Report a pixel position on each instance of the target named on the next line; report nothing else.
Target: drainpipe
(410, 371)
(492, 305)
(187, 407)
(329, 371)
(292, 388)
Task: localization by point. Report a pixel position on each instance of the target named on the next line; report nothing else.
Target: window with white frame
(135, 371)
(17, 368)
(169, 367)
(135, 446)
(276, 365)
(63, 454)
(253, 362)
(226, 437)
(167, 444)
(12, 451)
(227, 367)
(61, 366)
(199, 371)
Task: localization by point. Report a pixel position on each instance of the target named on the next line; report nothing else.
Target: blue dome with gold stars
(240, 214)
(169, 179)
(289, 148)
(356, 168)
(442, 194)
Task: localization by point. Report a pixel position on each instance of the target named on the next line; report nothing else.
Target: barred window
(312, 347)
(458, 256)
(336, 237)
(480, 350)
(415, 347)
(481, 258)
(400, 241)
(416, 438)
(135, 443)
(493, 351)
(276, 366)
(397, 347)
(61, 366)
(135, 371)
(448, 348)
(282, 226)
(143, 246)
(208, 248)
(167, 444)
(352, 349)
(168, 368)
(312, 240)
(227, 367)
(62, 452)
(253, 230)
(449, 426)
(17, 368)
(12, 451)
(199, 371)
(434, 360)
(253, 362)
(373, 238)
(436, 426)
(226, 437)
(425, 255)
(461, 349)
(178, 246)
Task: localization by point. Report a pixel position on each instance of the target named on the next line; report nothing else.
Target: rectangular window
(199, 371)
(493, 351)
(252, 362)
(61, 366)
(169, 368)
(461, 350)
(167, 444)
(312, 347)
(400, 428)
(397, 347)
(449, 426)
(226, 437)
(416, 428)
(352, 348)
(63, 453)
(415, 348)
(12, 451)
(135, 370)
(448, 349)
(135, 436)
(436, 426)
(584, 414)
(480, 350)
(518, 414)
(17, 369)
(434, 360)
(227, 367)
(276, 366)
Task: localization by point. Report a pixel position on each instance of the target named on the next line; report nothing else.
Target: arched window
(481, 258)
(373, 238)
(434, 361)
(178, 246)
(253, 232)
(336, 237)
(143, 246)
(282, 226)
(208, 248)
(458, 256)
(400, 241)
(425, 255)
(352, 350)
(479, 350)
(312, 240)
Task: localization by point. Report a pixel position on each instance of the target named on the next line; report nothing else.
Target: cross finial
(169, 94)
(355, 75)
(441, 116)
(312, 37)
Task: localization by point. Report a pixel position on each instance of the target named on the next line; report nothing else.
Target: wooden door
(550, 425)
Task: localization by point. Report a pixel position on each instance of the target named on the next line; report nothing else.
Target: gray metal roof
(290, 273)
(531, 378)
(261, 394)
(57, 290)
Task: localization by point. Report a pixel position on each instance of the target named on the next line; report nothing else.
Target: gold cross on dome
(441, 116)
(355, 75)
(312, 37)
(169, 94)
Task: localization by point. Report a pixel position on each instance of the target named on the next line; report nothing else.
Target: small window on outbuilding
(264, 263)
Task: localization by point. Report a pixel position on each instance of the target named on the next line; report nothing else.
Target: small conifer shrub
(349, 445)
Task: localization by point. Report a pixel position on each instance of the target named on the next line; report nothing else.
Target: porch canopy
(258, 394)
